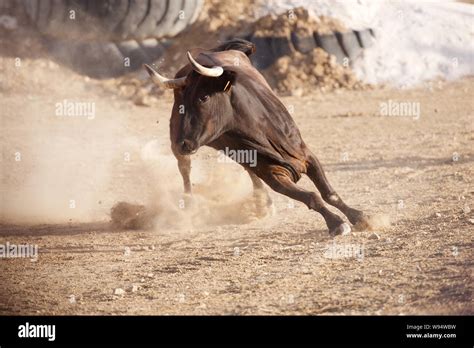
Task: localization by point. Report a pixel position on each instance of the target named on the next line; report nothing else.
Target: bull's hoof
(363, 224)
(186, 201)
(359, 220)
(341, 230)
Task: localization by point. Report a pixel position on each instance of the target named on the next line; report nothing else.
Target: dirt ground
(217, 256)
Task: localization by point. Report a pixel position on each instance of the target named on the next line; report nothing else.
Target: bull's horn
(213, 72)
(163, 81)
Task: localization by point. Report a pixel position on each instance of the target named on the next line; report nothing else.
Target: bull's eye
(204, 99)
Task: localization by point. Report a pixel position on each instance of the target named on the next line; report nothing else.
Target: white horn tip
(213, 72)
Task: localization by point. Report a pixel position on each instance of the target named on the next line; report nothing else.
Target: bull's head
(203, 99)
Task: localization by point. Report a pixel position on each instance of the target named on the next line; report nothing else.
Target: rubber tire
(366, 38)
(281, 46)
(330, 44)
(349, 44)
(263, 56)
(185, 15)
(303, 43)
(157, 12)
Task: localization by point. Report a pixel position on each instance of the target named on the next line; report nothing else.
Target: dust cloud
(222, 194)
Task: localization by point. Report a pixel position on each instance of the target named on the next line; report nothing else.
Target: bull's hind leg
(281, 183)
(316, 174)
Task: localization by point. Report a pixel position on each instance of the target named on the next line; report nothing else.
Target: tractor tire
(112, 20)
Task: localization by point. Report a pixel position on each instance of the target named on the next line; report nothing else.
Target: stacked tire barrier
(344, 46)
(110, 37)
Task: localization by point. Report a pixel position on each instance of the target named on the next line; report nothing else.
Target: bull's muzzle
(188, 147)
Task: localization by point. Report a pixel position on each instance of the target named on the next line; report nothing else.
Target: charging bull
(222, 101)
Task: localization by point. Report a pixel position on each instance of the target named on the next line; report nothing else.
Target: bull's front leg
(279, 180)
(184, 166)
